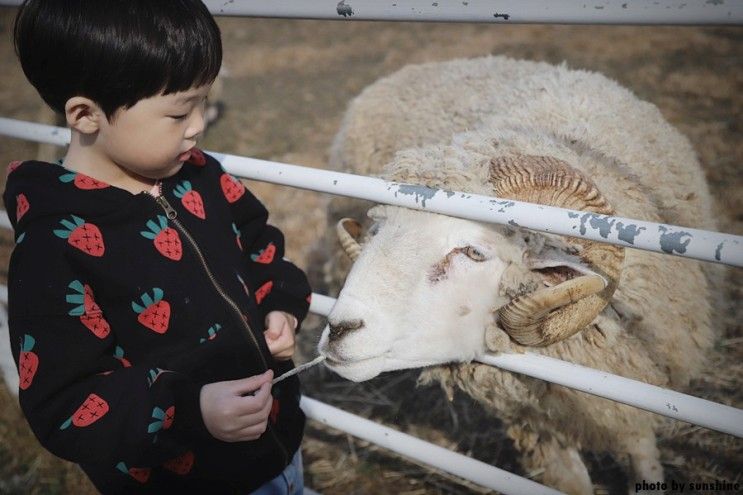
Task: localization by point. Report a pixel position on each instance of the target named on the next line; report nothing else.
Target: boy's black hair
(116, 52)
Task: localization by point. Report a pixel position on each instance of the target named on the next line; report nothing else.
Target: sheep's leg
(645, 460)
(561, 467)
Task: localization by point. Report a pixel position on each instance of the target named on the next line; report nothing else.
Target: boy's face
(152, 138)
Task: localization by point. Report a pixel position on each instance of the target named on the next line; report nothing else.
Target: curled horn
(348, 237)
(555, 313)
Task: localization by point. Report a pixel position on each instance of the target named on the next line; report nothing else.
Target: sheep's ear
(551, 291)
(348, 231)
(557, 265)
(497, 340)
(542, 318)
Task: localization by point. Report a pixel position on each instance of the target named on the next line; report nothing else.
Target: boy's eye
(179, 117)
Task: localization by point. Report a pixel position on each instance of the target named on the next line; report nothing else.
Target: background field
(287, 85)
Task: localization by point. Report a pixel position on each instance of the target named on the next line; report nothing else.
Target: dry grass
(288, 86)
(25, 469)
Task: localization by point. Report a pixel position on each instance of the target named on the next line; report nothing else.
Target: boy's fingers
(251, 383)
(255, 422)
(272, 333)
(252, 432)
(272, 346)
(292, 320)
(273, 319)
(259, 415)
(255, 403)
(279, 348)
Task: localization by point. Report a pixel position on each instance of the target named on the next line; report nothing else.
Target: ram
(427, 289)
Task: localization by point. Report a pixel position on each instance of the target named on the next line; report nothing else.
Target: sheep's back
(422, 104)
(587, 113)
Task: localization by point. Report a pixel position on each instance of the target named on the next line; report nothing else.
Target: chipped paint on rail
(673, 241)
(418, 191)
(344, 9)
(600, 222)
(627, 233)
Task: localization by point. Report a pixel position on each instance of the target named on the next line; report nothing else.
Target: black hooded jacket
(121, 306)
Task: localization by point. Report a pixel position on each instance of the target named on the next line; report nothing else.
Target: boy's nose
(196, 125)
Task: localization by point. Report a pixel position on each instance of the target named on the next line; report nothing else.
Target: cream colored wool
(440, 124)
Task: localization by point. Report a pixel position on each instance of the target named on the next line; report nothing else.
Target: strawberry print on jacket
(154, 312)
(191, 199)
(211, 333)
(90, 411)
(180, 465)
(90, 314)
(166, 239)
(28, 363)
(22, 205)
(237, 236)
(84, 236)
(263, 291)
(232, 188)
(114, 300)
(163, 419)
(265, 255)
(139, 474)
(82, 181)
(119, 354)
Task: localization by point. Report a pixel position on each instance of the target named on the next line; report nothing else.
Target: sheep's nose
(339, 329)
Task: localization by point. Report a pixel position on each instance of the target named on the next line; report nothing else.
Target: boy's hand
(232, 416)
(279, 333)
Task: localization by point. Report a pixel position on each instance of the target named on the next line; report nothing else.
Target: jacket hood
(38, 189)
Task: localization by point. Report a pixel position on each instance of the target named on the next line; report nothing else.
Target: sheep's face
(421, 293)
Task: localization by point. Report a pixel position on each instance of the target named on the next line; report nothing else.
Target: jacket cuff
(188, 418)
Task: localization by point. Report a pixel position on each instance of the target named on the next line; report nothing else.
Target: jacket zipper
(171, 213)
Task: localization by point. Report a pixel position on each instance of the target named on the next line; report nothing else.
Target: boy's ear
(83, 114)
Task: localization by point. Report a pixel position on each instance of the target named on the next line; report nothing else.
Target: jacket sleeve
(277, 283)
(83, 400)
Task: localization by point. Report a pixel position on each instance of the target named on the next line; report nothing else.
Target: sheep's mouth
(356, 371)
(555, 275)
(333, 363)
(334, 356)
(360, 370)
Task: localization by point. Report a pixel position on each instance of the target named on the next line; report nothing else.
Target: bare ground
(287, 88)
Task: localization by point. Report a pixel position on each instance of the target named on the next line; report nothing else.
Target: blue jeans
(289, 482)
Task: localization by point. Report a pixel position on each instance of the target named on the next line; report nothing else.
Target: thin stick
(298, 369)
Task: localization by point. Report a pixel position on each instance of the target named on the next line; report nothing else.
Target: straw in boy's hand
(298, 369)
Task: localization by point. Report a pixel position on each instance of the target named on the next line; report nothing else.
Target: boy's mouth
(184, 156)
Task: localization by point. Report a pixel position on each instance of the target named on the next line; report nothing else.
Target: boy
(143, 274)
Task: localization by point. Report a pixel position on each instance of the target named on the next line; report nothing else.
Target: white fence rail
(415, 448)
(489, 11)
(626, 232)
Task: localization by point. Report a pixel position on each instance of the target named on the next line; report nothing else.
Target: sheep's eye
(474, 254)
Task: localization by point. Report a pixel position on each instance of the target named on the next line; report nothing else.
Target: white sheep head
(425, 287)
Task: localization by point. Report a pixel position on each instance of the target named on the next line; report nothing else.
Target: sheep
(432, 291)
